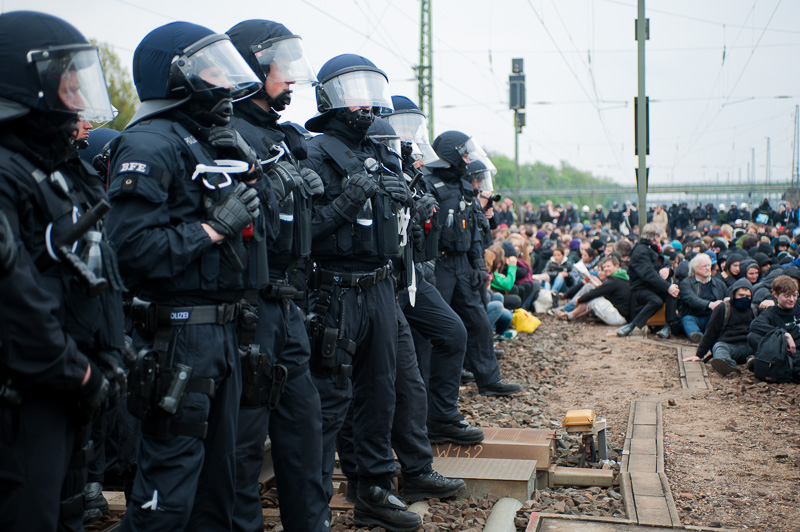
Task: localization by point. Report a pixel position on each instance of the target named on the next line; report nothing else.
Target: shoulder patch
(134, 166)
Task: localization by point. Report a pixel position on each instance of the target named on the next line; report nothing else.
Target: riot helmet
(412, 127)
(382, 131)
(353, 88)
(480, 176)
(458, 150)
(48, 66)
(276, 56)
(183, 63)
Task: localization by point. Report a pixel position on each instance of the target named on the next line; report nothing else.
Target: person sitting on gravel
(700, 294)
(609, 302)
(785, 314)
(558, 268)
(724, 343)
(731, 272)
(649, 286)
(750, 270)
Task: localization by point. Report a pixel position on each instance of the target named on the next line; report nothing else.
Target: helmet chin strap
(210, 108)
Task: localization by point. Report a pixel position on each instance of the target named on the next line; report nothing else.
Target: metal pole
(516, 161)
(641, 118)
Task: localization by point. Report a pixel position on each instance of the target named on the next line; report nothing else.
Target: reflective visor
(484, 180)
(361, 88)
(412, 126)
(473, 151)
(72, 79)
(214, 62)
(284, 60)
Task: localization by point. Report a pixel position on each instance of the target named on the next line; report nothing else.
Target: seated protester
(785, 314)
(750, 270)
(731, 273)
(764, 263)
(610, 302)
(500, 318)
(524, 285)
(762, 292)
(624, 248)
(649, 286)
(502, 271)
(589, 283)
(714, 265)
(724, 343)
(558, 269)
(700, 294)
(574, 250)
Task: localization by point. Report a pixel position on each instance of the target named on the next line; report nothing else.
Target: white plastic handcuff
(224, 167)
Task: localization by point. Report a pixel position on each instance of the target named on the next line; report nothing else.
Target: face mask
(742, 302)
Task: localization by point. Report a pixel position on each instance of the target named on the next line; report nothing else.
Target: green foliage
(540, 176)
(120, 86)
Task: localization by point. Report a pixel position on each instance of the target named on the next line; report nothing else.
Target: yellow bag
(524, 321)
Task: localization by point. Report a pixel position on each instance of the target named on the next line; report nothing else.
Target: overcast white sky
(706, 113)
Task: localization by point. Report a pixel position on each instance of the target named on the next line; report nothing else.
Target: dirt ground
(731, 454)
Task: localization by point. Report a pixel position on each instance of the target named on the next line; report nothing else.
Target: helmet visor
(413, 127)
(393, 143)
(483, 180)
(361, 88)
(214, 62)
(474, 152)
(72, 79)
(284, 60)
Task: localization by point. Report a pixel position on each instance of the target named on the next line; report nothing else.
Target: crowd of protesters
(723, 278)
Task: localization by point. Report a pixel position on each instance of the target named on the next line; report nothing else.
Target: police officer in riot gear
(441, 355)
(61, 318)
(460, 270)
(292, 418)
(409, 434)
(183, 188)
(352, 297)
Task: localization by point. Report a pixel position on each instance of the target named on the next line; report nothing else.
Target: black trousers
(453, 274)
(368, 318)
(441, 357)
(294, 428)
(645, 303)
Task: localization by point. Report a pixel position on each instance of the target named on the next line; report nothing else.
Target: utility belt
(156, 386)
(362, 280)
(263, 383)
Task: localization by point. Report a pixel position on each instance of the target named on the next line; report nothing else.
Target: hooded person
(732, 270)
(751, 270)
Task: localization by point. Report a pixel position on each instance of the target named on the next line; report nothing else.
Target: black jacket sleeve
(713, 330)
(642, 264)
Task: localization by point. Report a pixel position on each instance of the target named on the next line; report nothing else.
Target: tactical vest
(454, 214)
(361, 239)
(293, 242)
(94, 322)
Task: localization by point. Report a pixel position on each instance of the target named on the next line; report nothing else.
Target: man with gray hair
(700, 294)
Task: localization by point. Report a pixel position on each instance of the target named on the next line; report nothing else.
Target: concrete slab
(643, 446)
(501, 477)
(652, 510)
(565, 524)
(642, 463)
(644, 432)
(646, 484)
(645, 413)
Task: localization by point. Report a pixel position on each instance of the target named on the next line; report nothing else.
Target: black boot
(430, 484)
(665, 332)
(95, 505)
(500, 387)
(457, 431)
(351, 494)
(380, 507)
(467, 376)
(625, 330)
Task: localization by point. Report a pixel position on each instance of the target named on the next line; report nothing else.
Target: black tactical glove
(284, 178)
(8, 246)
(418, 237)
(92, 395)
(231, 145)
(358, 188)
(312, 182)
(397, 189)
(478, 274)
(112, 366)
(235, 211)
(424, 206)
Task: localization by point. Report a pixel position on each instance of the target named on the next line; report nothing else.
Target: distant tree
(120, 86)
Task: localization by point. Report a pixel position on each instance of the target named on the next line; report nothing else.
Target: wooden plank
(501, 477)
(116, 500)
(518, 444)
